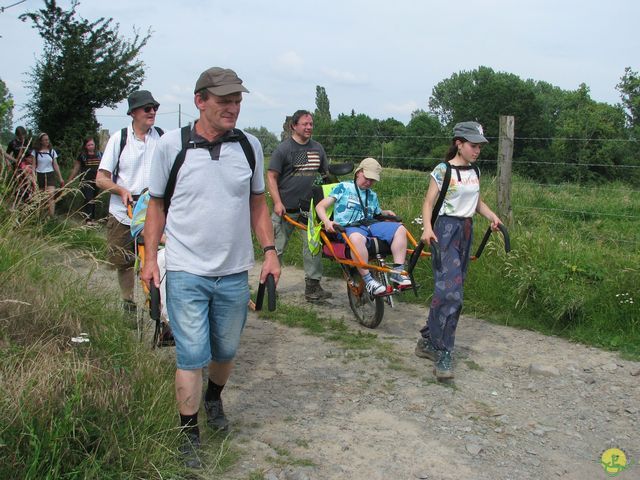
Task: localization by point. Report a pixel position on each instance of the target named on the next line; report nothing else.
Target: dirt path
(523, 405)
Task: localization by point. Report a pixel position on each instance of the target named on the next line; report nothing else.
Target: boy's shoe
(443, 368)
(189, 450)
(216, 418)
(129, 307)
(400, 280)
(425, 349)
(374, 287)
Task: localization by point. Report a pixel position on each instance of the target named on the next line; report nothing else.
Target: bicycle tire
(368, 310)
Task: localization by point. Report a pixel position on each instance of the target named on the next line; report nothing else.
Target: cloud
(344, 77)
(290, 60)
(263, 100)
(401, 108)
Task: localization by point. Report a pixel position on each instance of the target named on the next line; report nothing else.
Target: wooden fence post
(505, 156)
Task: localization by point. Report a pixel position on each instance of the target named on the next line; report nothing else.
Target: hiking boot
(215, 415)
(314, 292)
(443, 369)
(425, 349)
(400, 280)
(374, 287)
(189, 450)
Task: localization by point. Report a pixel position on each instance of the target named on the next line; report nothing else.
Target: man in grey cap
(216, 200)
(124, 172)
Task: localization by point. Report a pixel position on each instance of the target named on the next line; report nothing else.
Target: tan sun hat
(371, 168)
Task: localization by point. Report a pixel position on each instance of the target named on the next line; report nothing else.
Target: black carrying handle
(270, 284)
(413, 260)
(487, 234)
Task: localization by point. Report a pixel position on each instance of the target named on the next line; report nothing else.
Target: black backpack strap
(443, 192)
(159, 130)
(123, 141)
(247, 149)
(185, 136)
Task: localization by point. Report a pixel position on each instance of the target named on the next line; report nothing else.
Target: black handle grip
(435, 254)
(487, 234)
(154, 302)
(507, 239)
(270, 285)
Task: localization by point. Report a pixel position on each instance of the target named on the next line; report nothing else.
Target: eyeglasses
(148, 108)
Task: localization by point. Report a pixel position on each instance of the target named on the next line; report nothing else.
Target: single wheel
(368, 309)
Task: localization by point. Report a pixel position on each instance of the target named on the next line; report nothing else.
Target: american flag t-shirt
(306, 162)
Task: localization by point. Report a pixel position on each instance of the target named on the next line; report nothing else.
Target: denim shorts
(207, 316)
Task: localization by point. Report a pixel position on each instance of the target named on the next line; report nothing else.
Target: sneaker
(443, 369)
(215, 415)
(374, 287)
(189, 451)
(401, 280)
(425, 349)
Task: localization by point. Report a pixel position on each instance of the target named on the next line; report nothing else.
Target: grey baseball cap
(371, 168)
(470, 131)
(140, 98)
(220, 81)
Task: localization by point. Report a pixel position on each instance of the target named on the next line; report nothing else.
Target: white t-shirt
(44, 160)
(463, 194)
(208, 227)
(134, 167)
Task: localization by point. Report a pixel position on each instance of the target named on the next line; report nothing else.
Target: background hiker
(87, 165)
(124, 172)
(47, 169)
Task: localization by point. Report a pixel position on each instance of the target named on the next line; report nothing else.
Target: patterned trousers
(454, 237)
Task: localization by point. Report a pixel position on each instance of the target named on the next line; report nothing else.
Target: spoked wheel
(368, 309)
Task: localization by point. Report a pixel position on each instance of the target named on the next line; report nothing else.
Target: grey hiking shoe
(216, 418)
(443, 368)
(189, 451)
(425, 349)
(314, 292)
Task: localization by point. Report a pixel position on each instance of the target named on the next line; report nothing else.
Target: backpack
(445, 187)
(123, 141)
(234, 135)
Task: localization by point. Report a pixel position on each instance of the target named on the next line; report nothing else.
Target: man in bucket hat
(218, 198)
(124, 172)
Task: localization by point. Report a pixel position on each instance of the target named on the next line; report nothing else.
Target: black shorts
(45, 180)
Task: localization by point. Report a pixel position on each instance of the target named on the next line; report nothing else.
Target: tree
(629, 88)
(268, 139)
(85, 65)
(423, 133)
(483, 95)
(322, 118)
(6, 113)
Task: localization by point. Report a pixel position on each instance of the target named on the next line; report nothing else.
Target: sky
(377, 57)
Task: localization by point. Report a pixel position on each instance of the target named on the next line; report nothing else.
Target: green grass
(574, 268)
(98, 410)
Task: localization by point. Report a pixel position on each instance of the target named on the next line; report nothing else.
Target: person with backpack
(87, 165)
(46, 162)
(452, 199)
(209, 210)
(124, 172)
